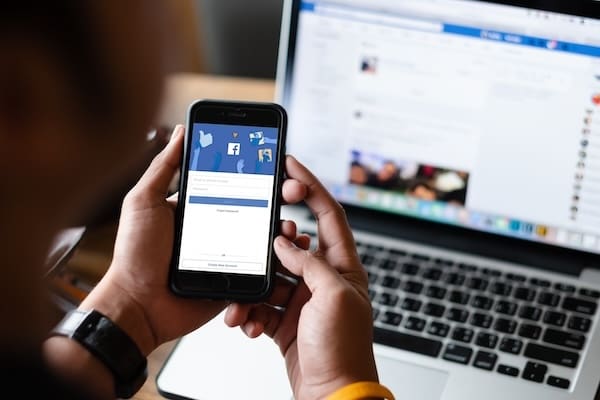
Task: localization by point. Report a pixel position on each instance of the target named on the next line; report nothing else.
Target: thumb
(316, 272)
(158, 176)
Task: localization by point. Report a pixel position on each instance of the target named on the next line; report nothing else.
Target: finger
(288, 229)
(315, 271)
(293, 191)
(282, 292)
(333, 229)
(157, 178)
(262, 319)
(237, 314)
(303, 241)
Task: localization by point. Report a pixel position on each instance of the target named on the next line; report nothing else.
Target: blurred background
(227, 37)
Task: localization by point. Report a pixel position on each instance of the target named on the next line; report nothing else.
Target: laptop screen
(468, 113)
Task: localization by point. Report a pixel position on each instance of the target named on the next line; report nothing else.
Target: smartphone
(229, 201)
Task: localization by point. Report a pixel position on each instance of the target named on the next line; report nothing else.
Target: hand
(134, 293)
(325, 331)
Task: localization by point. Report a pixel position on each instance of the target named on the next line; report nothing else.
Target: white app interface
(229, 195)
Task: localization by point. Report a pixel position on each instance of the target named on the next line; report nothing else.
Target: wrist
(362, 390)
(122, 309)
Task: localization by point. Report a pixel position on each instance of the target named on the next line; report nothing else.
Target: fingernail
(249, 328)
(282, 241)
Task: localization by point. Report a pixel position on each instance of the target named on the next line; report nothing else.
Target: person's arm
(134, 293)
(76, 365)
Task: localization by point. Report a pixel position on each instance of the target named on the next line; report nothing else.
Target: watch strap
(110, 344)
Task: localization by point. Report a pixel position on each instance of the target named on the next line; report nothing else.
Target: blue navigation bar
(307, 6)
(224, 201)
(530, 41)
(506, 37)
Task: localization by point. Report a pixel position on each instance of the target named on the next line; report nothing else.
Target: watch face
(110, 344)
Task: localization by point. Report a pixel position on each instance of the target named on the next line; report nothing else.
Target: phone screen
(229, 199)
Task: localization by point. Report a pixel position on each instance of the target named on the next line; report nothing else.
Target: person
(78, 93)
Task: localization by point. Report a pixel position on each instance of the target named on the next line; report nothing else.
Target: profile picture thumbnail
(369, 64)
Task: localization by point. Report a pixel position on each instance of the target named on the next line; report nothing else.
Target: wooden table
(92, 258)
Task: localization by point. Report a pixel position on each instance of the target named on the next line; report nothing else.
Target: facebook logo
(233, 149)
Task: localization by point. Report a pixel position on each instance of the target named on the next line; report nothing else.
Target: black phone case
(273, 262)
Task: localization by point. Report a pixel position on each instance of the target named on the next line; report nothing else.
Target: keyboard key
(505, 325)
(397, 253)
(477, 283)
(432, 274)
(388, 264)
(390, 282)
(558, 382)
(501, 288)
(563, 338)
(511, 345)
(485, 360)
(530, 331)
(491, 272)
(372, 277)
(548, 299)
(404, 341)
(435, 292)
(391, 318)
(410, 304)
(555, 318)
(535, 372)
(374, 247)
(579, 305)
(485, 339)
(515, 277)
(454, 278)
(415, 324)
(467, 267)
(506, 307)
(458, 297)
(525, 294)
(482, 302)
(581, 324)
(589, 293)
(563, 287)
(420, 257)
(388, 299)
(530, 313)
(444, 262)
(434, 310)
(463, 334)
(412, 287)
(458, 354)
(551, 355)
(409, 269)
(367, 260)
(481, 320)
(375, 313)
(457, 315)
(372, 294)
(438, 329)
(508, 370)
(539, 282)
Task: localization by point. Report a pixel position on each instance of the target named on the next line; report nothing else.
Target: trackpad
(410, 381)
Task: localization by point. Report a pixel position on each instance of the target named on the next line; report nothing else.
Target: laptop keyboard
(475, 315)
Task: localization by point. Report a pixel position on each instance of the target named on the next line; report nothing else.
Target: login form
(231, 175)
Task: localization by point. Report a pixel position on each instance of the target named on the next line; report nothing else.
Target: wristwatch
(105, 340)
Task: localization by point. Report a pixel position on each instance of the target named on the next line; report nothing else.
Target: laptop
(463, 139)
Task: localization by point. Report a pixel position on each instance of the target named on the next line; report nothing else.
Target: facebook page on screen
(462, 112)
(231, 175)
